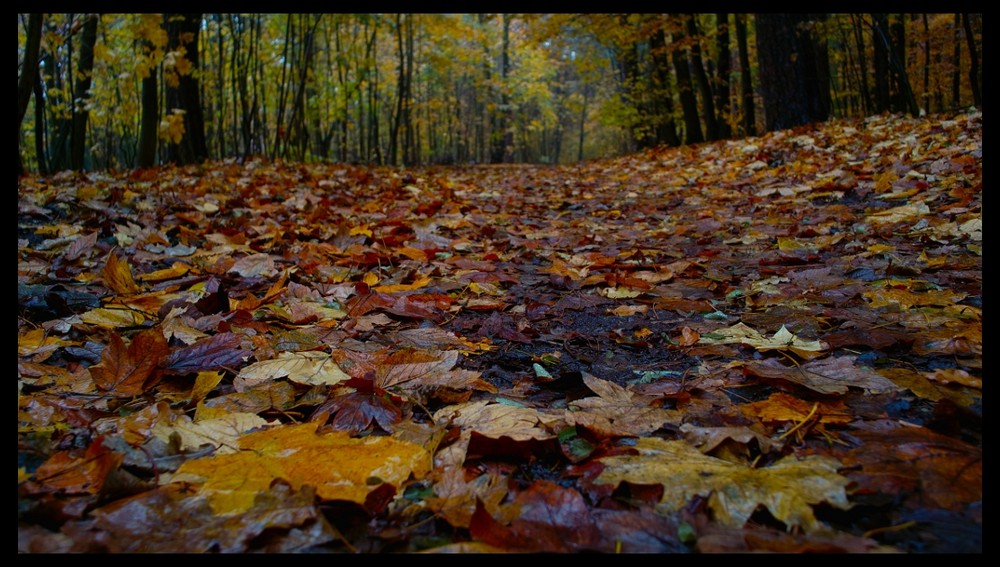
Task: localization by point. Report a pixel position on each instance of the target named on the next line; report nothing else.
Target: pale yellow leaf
(310, 367)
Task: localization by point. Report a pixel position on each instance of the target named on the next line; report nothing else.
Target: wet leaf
(788, 488)
(338, 466)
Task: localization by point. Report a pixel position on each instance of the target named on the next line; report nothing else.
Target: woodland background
(121, 91)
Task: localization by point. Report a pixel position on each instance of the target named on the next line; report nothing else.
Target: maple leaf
(787, 488)
(340, 467)
(128, 371)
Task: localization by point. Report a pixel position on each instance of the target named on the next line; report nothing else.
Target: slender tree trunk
(40, 130)
(880, 43)
(903, 98)
(722, 75)
(704, 88)
(746, 84)
(81, 91)
(956, 63)
(977, 93)
(926, 97)
(150, 121)
(859, 36)
(689, 103)
(666, 129)
(26, 81)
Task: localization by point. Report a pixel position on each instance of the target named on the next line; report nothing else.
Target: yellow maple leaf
(338, 466)
(787, 488)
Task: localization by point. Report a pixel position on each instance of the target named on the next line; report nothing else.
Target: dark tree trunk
(81, 89)
(40, 130)
(956, 63)
(880, 45)
(26, 81)
(698, 66)
(902, 96)
(746, 83)
(859, 37)
(722, 75)
(790, 78)
(666, 129)
(977, 93)
(150, 121)
(689, 103)
(182, 31)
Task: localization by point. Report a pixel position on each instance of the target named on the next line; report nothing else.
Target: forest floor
(768, 344)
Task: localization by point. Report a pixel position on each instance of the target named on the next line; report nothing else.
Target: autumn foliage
(768, 344)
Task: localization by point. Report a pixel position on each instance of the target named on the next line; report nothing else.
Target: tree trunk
(880, 44)
(698, 66)
(149, 124)
(722, 75)
(791, 85)
(81, 91)
(689, 103)
(746, 84)
(666, 129)
(902, 96)
(182, 31)
(977, 93)
(40, 130)
(859, 37)
(26, 82)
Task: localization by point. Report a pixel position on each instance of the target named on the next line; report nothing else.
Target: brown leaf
(170, 519)
(827, 376)
(918, 464)
(129, 371)
(218, 352)
(117, 274)
(547, 518)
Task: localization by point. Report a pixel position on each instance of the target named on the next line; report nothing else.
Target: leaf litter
(771, 344)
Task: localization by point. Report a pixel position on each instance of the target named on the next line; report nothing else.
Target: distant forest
(126, 91)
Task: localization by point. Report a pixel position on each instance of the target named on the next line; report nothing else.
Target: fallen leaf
(310, 367)
(338, 466)
(788, 488)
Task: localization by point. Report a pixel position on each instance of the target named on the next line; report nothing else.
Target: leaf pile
(771, 344)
